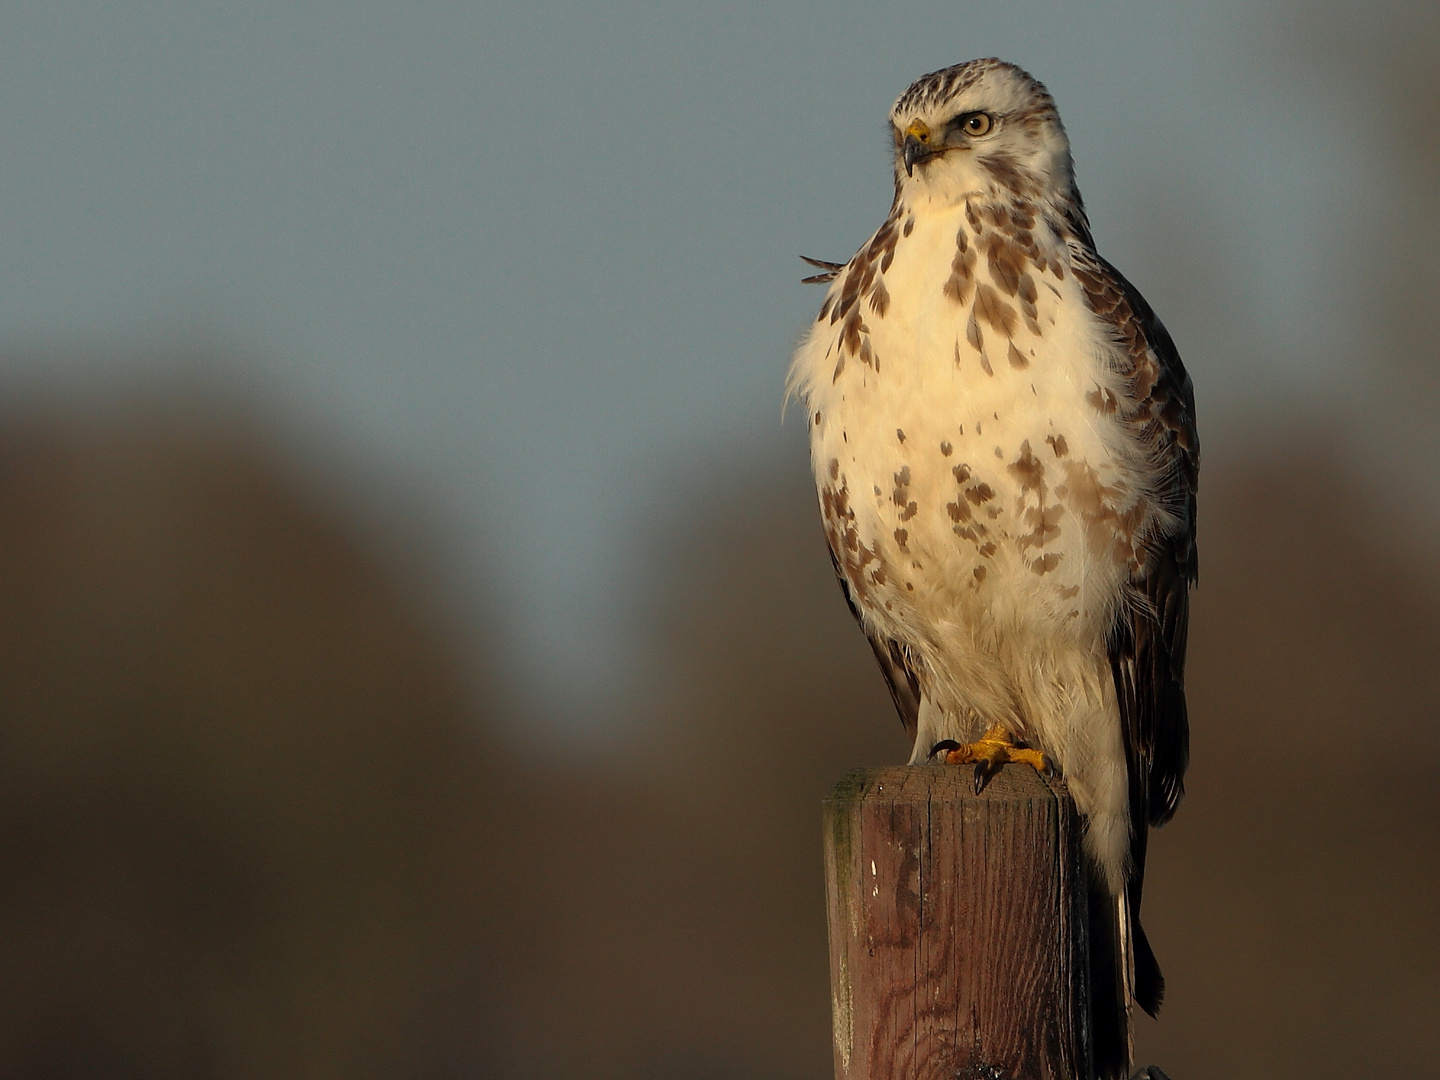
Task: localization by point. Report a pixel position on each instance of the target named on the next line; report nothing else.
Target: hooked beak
(916, 147)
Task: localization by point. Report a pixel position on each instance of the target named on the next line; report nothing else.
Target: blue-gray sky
(539, 260)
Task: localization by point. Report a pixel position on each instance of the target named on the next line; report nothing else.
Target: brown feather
(895, 661)
(830, 271)
(1148, 639)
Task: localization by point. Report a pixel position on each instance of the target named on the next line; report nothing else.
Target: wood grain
(956, 927)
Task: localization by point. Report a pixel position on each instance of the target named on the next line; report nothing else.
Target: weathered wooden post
(957, 940)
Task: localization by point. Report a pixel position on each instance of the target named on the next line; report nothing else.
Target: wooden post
(957, 927)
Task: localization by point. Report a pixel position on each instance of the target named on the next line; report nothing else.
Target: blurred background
(418, 653)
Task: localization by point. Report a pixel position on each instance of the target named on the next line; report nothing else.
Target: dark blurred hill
(254, 820)
(241, 794)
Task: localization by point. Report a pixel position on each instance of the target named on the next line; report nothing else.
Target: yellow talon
(990, 753)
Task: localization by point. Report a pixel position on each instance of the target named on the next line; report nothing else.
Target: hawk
(1004, 445)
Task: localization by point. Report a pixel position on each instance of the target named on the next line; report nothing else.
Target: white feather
(996, 641)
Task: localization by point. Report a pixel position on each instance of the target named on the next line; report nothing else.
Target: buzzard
(1003, 439)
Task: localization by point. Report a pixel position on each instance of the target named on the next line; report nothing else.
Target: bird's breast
(963, 428)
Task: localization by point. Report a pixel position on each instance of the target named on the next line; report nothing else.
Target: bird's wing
(896, 663)
(1148, 638)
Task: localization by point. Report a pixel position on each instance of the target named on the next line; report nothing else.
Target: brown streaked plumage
(1025, 562)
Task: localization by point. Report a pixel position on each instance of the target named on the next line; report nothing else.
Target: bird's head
(979, 127)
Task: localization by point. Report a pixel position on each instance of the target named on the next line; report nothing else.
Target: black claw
(983, 772)
(1050, 770)
(944, 744)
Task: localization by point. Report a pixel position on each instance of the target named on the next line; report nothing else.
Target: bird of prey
(1004, 445)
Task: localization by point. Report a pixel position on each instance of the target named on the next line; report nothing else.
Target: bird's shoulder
(1160, 395)
(1147, 643)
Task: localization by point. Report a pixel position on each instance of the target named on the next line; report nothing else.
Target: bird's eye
(976, 123)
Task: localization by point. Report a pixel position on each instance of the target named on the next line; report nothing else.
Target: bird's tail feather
(1109, 993)
(1149, 984)
(1123, 969)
